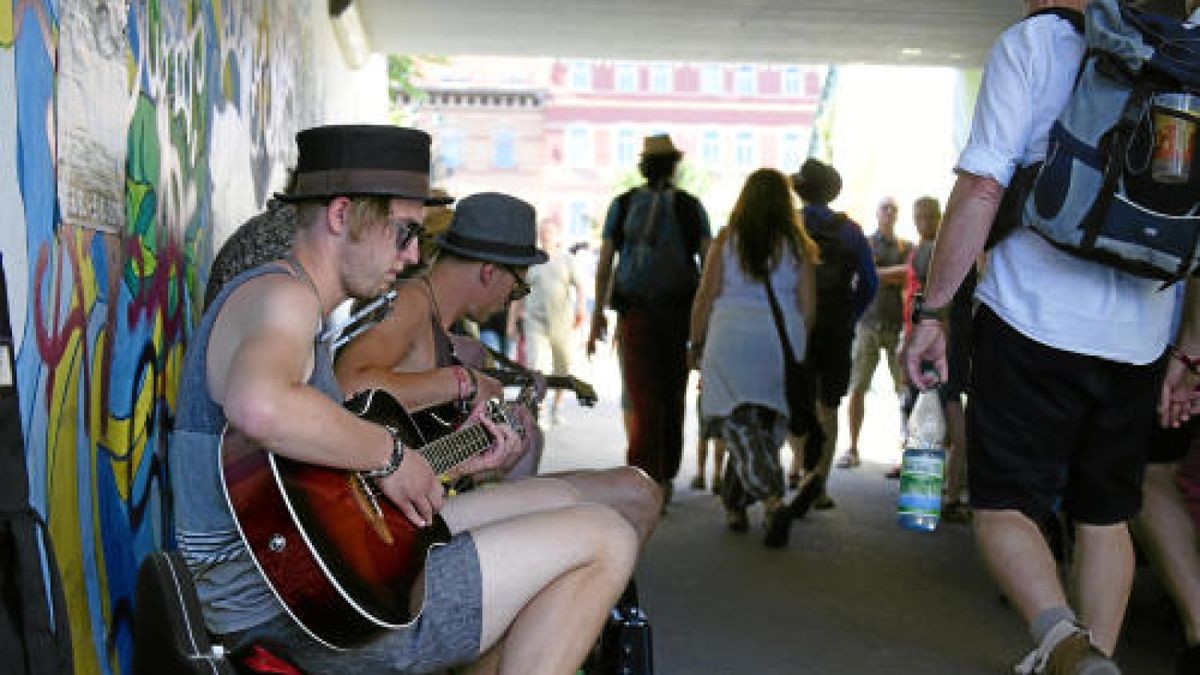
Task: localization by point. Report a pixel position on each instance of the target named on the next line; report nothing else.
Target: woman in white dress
(736, 345)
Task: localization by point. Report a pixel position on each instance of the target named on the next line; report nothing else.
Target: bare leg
(1168, 536)
(1019, 560)
(627, 489)
(827, 415)
(549, 579)
(718, 458)
(1103, 578)
(855, 411)
(956, 460)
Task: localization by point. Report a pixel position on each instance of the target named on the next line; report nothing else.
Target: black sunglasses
(406, 231)
(520, 288)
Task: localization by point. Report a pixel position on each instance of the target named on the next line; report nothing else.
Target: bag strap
(779, 326)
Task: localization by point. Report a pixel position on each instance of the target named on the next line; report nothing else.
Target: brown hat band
(330, 182)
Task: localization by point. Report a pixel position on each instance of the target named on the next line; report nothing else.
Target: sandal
(956, 512)
(793, 480)
(893, 473)
(849, 461)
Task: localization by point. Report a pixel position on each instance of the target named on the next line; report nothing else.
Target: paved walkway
(853, 592)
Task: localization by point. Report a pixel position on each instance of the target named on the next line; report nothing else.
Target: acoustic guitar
(339, 555)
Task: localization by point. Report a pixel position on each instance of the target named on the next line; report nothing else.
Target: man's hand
(489, 388)
(414, 489)
(505, 450)
(926, 344)
(1179, 399)
(599, 331)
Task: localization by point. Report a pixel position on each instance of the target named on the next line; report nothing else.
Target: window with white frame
(712, 79)
(710, 148)
(626, 77)
(626, 150)
(450, 149)
(504, 149)
(578, 223)
(579, 147)
(579, 76)
(745, 150)
(790, 151)
(793, 81)
(660, 78)
(744, 80)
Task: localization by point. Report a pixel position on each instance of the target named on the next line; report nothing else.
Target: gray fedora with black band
(494, 227)
(362, 160)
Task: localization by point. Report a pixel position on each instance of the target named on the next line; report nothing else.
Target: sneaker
(811, 488)
(1067, 649)
(737, 520)
(697, 482)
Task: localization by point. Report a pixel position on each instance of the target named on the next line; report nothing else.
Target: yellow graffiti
(6, 24)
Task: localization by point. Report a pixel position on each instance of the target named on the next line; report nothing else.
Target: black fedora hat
(358, 160)
(494, 227)
(817, 182)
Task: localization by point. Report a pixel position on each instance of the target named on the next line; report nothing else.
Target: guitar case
(168, 630)
(626, 645)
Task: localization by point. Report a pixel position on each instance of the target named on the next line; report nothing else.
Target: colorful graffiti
(126, 114)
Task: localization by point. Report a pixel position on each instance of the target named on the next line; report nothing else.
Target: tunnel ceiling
(915, 32)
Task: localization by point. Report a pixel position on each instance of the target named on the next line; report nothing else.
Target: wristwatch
(921, 311)
(393, 461)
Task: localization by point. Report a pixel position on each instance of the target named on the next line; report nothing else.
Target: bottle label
(921, 482)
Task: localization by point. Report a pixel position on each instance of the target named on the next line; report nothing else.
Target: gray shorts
(446, 634)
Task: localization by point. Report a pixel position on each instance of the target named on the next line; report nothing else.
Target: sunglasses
(406, 232)
(520, 288)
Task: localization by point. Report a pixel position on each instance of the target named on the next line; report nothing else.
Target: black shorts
(1169, 445)
(1046, 424)
(958, 347)
(828, 354)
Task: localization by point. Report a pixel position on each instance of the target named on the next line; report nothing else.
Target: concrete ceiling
(914, 32)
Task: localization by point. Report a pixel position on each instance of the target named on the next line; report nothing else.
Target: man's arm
(868, 280)
(1178, 401)
(259, 360)
(604, 266)
(384, 357)
(969, 213)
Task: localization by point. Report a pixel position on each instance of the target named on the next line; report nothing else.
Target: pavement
(852, 593)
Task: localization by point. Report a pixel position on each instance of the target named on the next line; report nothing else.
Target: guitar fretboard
(454, 448)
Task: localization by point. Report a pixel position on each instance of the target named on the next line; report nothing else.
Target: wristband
(920, 311)
(460, 374)
(1192, 363)
(393, 462)
(474, 383)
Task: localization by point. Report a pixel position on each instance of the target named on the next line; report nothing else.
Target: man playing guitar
(479, 270)
(525, 581)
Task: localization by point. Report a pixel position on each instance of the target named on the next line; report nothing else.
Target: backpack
(836, 274)
(1095, 195)
(657, 268)
(35, 637)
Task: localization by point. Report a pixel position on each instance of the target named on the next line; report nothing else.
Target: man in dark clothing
(846, 283)
(658, 235)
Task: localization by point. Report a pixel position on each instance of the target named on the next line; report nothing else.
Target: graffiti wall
(134, 136)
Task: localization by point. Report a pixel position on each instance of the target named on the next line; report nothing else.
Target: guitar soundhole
(277, 543)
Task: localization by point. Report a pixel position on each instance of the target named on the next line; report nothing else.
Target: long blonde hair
(764, 220)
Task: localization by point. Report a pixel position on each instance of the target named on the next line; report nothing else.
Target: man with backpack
(658, 235)
(1068, 358)
(846, 284)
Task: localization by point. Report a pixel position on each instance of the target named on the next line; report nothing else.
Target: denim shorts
(446, 634)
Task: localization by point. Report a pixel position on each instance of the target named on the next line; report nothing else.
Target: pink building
(566, 134)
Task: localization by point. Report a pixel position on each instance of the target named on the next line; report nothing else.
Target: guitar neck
(456, 447)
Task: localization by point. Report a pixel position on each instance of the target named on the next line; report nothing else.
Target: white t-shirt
(1048, 295)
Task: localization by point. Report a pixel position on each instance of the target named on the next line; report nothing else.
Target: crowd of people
(1066, 385)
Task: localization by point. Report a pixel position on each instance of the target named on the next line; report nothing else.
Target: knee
(613, 539)
(639, 488)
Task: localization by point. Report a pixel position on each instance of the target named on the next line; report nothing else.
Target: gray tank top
(233, 594)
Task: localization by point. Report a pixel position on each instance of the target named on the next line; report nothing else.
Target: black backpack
(837, 273)
(650, 272)
(34, 635)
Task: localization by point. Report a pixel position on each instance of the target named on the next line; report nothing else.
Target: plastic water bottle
(920, 503)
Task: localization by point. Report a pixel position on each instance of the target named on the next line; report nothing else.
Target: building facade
(566, 134)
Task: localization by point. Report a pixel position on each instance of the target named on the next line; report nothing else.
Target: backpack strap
(687, 216)
(623, 200)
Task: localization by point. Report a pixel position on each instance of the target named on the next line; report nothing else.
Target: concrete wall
(134, 136)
